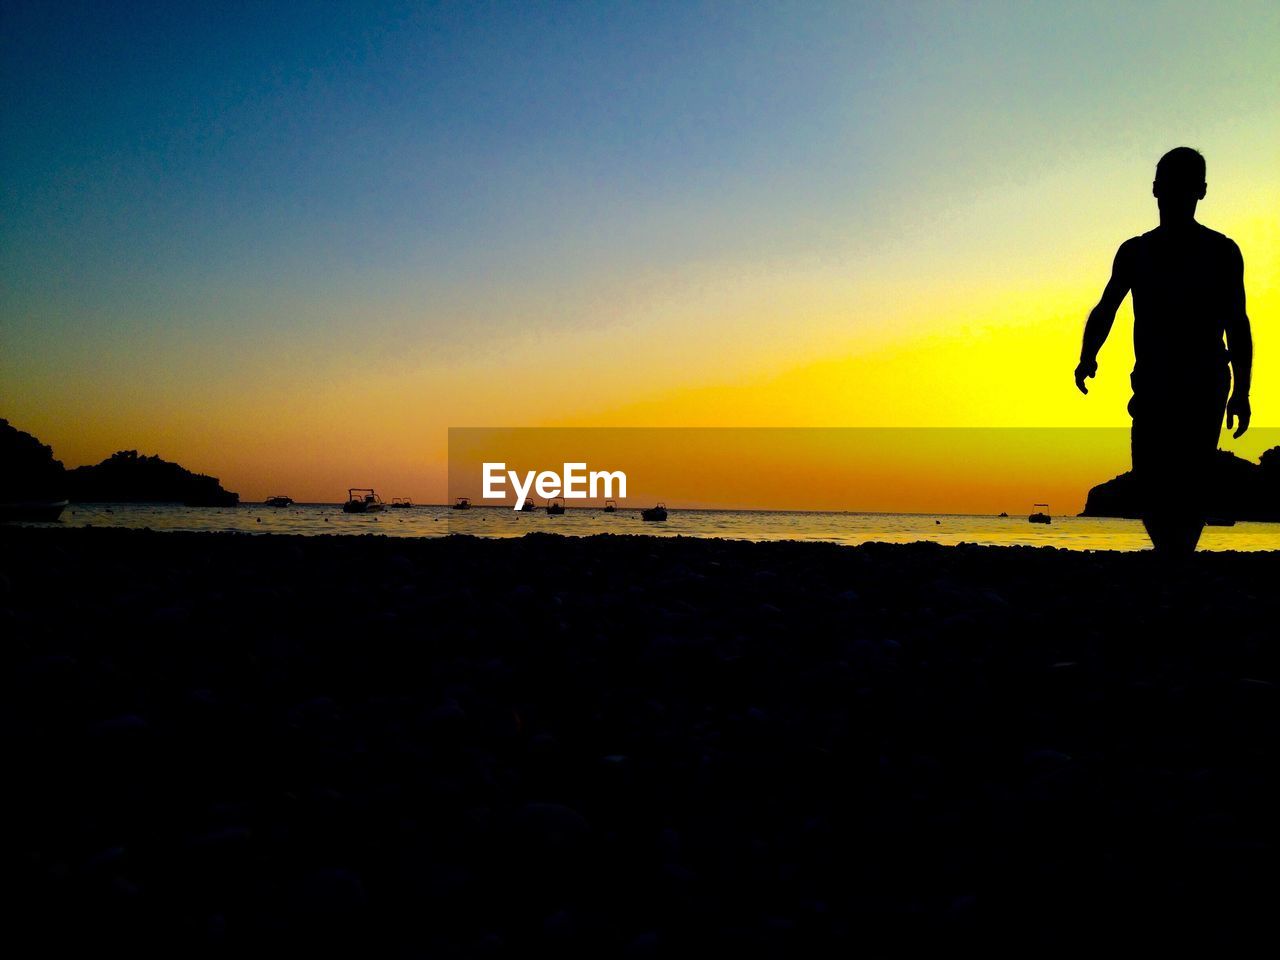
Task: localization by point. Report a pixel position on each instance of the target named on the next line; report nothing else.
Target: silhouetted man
(1188, 292)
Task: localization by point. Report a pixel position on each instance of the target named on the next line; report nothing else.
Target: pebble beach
(222, 744)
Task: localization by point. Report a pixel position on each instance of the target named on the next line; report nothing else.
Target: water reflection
(1075, 533)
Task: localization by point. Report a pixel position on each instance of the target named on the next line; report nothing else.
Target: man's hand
(1238, 414)
(1084, 370)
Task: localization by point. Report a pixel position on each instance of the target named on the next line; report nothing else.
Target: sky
(291, 245)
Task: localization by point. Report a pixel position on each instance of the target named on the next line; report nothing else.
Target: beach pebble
(994, 598)
(330, 889)
(1045, 758)
(559, 924)
(645, 944)
(125, 889)
(488, 943)
(215, 927)
(543, 745)
(108, 857)
(1250, 685)
(449, 713)
(669, 845)
(172, 615)
(202, 698)
(223, 837)
(53, 667)
(962, 908)
(125, 723)
(552, 826)
(679, 879)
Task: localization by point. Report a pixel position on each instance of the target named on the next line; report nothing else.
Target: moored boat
(658, 512)
(362, 500)
(611, 506)
(462, 503)
(555, 507)
(278, 501)
(1039, 516)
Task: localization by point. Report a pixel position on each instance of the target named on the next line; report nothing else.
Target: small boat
(402, 503)
(611, 506)
(31, 511)
(278, 501)
(528, 506)
(1219, 522)
(658, 512)
(1040, 516)
(462, 503)
(1003, 514)
(362, 500)
(555, 507)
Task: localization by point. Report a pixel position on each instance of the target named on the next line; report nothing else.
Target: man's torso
(1183, 287)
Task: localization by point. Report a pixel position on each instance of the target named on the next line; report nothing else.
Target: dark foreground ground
(633, 746)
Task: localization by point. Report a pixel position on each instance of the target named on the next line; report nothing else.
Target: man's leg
(1204, 428)
(1153, 473)
(1174, 445)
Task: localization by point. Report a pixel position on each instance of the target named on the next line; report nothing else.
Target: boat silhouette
(658, 512)
(366, 502)
(611, 506)
(555, 507)
(1040, 516)
(462, 503)
(280, 501)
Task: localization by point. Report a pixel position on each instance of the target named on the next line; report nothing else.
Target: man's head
(1179, 183)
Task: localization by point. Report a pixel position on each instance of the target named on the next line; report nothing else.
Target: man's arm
(1239, 349)
(1098, 326)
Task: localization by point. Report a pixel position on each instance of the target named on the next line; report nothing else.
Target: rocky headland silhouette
(1237, 490)
(31, 472)
(129, 477)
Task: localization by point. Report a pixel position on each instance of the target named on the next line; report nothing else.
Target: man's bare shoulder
(1129, 250)
(1221, 243)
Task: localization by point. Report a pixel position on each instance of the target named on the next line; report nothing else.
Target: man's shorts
(1175, 435)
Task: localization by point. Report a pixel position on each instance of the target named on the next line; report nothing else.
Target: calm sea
(1075, 533)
